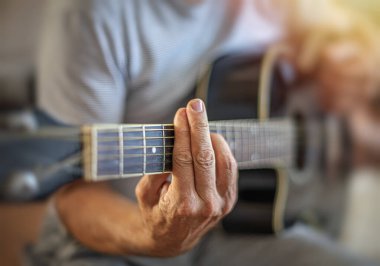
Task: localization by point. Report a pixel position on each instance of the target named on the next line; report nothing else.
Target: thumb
(148, 190)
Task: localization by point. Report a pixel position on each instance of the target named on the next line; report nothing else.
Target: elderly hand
(171, 216)
(202, 190)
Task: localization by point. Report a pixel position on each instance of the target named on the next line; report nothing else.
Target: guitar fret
(164, 150)
(134, 150)
(121, 151)
(144, 143)
(244, 147)
(234, 141)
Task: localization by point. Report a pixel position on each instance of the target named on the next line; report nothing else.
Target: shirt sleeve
(81, 64)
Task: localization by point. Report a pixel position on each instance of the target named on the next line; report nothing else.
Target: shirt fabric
(135, 61)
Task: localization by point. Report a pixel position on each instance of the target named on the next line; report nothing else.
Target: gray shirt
(136, 60)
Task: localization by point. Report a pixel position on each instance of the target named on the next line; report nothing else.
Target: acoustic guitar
(279, 153)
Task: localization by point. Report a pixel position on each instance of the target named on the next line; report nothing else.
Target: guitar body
(230, 91)
(242, 86)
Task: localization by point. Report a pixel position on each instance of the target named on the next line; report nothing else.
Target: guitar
(277, 156)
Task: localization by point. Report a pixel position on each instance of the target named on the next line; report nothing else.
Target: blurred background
(20, 23)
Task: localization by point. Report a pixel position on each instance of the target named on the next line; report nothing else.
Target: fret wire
(164, 148)
(239, 132)
(250, 137)
(241, 147)
(121, 151)
(228, 138)
(250, 141)
(244, 134)
(144, 166)
(234, 141)
(218, 129)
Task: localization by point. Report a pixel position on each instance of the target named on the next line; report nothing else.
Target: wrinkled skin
(170, 217)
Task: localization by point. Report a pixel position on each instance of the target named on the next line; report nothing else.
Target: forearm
(116, 228)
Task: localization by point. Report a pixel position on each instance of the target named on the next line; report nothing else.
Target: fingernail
(197, 105)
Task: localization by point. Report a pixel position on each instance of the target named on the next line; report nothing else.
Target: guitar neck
(122, 151)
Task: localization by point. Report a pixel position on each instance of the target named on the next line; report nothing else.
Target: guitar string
(275, 157)
(213, 128)
(218, 128)
(268, 139)
(256, 162)
(114, 157)
(243, 124)
(110, 139)
(250, 163)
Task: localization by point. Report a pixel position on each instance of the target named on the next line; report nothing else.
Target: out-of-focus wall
(370, 7)
(20, 23)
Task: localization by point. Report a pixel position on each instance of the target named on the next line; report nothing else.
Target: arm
(100, 218)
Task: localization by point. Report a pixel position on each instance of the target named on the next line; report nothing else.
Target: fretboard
(122, 151)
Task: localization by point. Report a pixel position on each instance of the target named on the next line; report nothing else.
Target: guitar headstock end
(89, 162)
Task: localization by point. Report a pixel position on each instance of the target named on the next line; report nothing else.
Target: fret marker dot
(154, 150)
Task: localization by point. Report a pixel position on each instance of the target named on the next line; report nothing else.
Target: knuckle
(182, 158)
(217, 137)
(230, 200)
(205, 158)
(166, 204)
(186, 210)
(229, 164)
(228, 208)
(140, 191)
(211, 209)
(182, 130)
(200, 126)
